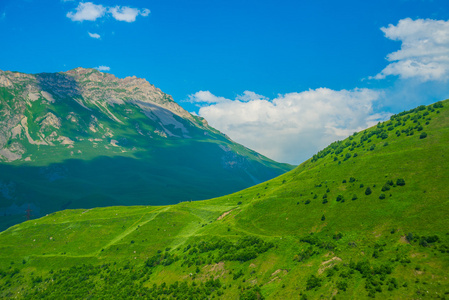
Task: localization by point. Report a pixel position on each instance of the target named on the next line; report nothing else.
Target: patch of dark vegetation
(109, 282)
(244, 249)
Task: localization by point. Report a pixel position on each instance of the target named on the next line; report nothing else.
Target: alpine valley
(366, 217)
(84, 139)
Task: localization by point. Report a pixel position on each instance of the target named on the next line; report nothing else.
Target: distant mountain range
(83, 138)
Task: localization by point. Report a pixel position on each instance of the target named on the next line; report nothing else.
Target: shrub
(342, 285)
(313, 282)
(382, 196)
(354, 197)
(439, 104)
(368, 191)
(423, 135)
(340, 198)
(400, 182)
(323, 218)
(307, 201)
(337, 236)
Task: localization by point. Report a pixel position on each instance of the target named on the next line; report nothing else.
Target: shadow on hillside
(59, 84)
(165, 178)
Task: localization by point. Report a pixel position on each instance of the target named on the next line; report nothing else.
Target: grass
(273, 241)
(144, 169)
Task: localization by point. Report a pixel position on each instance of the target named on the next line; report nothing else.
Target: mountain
(83, 139)
(363, 218)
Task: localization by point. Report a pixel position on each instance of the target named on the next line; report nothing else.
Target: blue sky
(282, 77)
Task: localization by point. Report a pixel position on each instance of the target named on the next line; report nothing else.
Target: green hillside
(366, 217)
(83, 139)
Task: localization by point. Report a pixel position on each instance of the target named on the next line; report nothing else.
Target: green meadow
(366, 217)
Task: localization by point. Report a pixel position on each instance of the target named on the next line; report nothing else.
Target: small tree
(368, 191)
(423, 135)
(323, 218)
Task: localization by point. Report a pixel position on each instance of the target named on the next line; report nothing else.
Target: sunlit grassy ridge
(365, 217)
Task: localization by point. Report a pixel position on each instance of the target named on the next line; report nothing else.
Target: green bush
(313, 282)
(423, 135)
(400, 182)
(368, 191)
(386, 187)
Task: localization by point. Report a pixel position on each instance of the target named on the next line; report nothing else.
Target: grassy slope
(99, 174)
(359, 250)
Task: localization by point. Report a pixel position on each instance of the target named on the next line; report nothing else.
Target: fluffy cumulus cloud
(294, 126)
(87, 11)
(102, 68)
(127, 14)
(94, 35)
(424, 53)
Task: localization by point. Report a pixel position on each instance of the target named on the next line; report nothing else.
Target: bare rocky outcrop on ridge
(27, 114)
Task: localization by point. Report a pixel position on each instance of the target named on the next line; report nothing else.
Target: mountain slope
(340, 225)
(82, 139)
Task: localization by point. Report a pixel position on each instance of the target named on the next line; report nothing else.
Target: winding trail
(133, 227)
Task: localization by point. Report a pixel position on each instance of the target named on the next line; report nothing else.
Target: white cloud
(127, 14)
(145, 12)
(294, 126)
(424, 52)
(206, 97)
(87, 11)
(94, 35)
(249, 96)
(103, 68)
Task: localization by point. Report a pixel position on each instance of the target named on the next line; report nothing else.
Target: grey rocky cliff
(28, 107)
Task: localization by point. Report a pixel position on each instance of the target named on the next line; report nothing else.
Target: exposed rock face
(94, 92)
